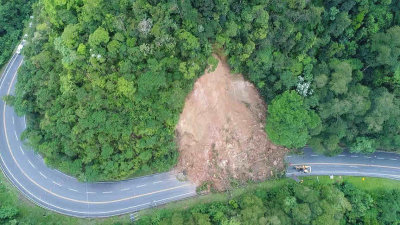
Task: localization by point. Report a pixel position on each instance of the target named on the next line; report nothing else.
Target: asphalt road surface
(378, 164)
(56, 191)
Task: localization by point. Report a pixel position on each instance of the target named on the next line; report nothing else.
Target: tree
(289, 120)
(301, 214)
(364, 145)
(100, 36)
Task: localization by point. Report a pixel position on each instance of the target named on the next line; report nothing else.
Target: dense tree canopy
(13, 13)
(342, 56)
(103, 86)
(104, 81)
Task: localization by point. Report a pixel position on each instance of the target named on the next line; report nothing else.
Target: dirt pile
(221, 134)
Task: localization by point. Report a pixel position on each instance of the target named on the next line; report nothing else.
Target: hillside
(104, 83)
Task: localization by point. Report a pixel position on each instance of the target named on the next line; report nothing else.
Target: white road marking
(90, 192)
(31, 164)
(125, 189)
(57, 184)
(71, 189)
(354, 156)
(24, 122)
(314, 155)
(341, 155)
(367, 157)
(156, 182)
(7, 71)
(107, 192)
(380, 158)
(354, 166)
(20, 148)
(43, 175)
(13, 120)
(392, 159)
(289, 156)
(16, 136)
(174, 197)
(64, 174)
(141, 186)
(172, 178)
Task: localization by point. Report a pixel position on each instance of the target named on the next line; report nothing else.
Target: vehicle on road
(20, 46)
(303, 168)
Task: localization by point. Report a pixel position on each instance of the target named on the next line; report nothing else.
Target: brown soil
(221, 134)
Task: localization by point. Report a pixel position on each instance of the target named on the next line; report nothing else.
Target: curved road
(56, 191)
(378, 164)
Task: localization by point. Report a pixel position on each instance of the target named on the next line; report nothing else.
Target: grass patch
(368, 184)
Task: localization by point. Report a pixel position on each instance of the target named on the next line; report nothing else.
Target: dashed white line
(380, 158)
(90, 192)
(392, 159)
(57, 184)
(314, 155)
(141, 186)
(71, 189)
(20, 148)
(174, 197)
(289, 156)
(16, 136)
(125, 189)
(31, 164)
(43, 175)
(354, 156)
(341, 155)
(107, 192)
(13, 120)
(156, 182)
(367, 157)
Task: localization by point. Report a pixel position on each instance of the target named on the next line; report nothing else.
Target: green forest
(104, 82)
(13, 13)
(290, 203)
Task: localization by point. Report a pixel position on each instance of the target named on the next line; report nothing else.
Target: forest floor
(221, 134)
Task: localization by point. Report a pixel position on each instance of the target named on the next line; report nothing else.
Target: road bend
(59, 192)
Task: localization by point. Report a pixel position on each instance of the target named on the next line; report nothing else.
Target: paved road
(56, 191)
(379, 164)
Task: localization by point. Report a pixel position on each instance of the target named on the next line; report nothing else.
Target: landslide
(220, 133)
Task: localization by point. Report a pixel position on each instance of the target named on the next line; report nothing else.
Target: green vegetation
(321, 201)
(104, 82)
(13, 13)
(343, 57)
(369, 184)
(290, 121)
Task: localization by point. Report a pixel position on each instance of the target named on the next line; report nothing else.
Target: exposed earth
(220, 133)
